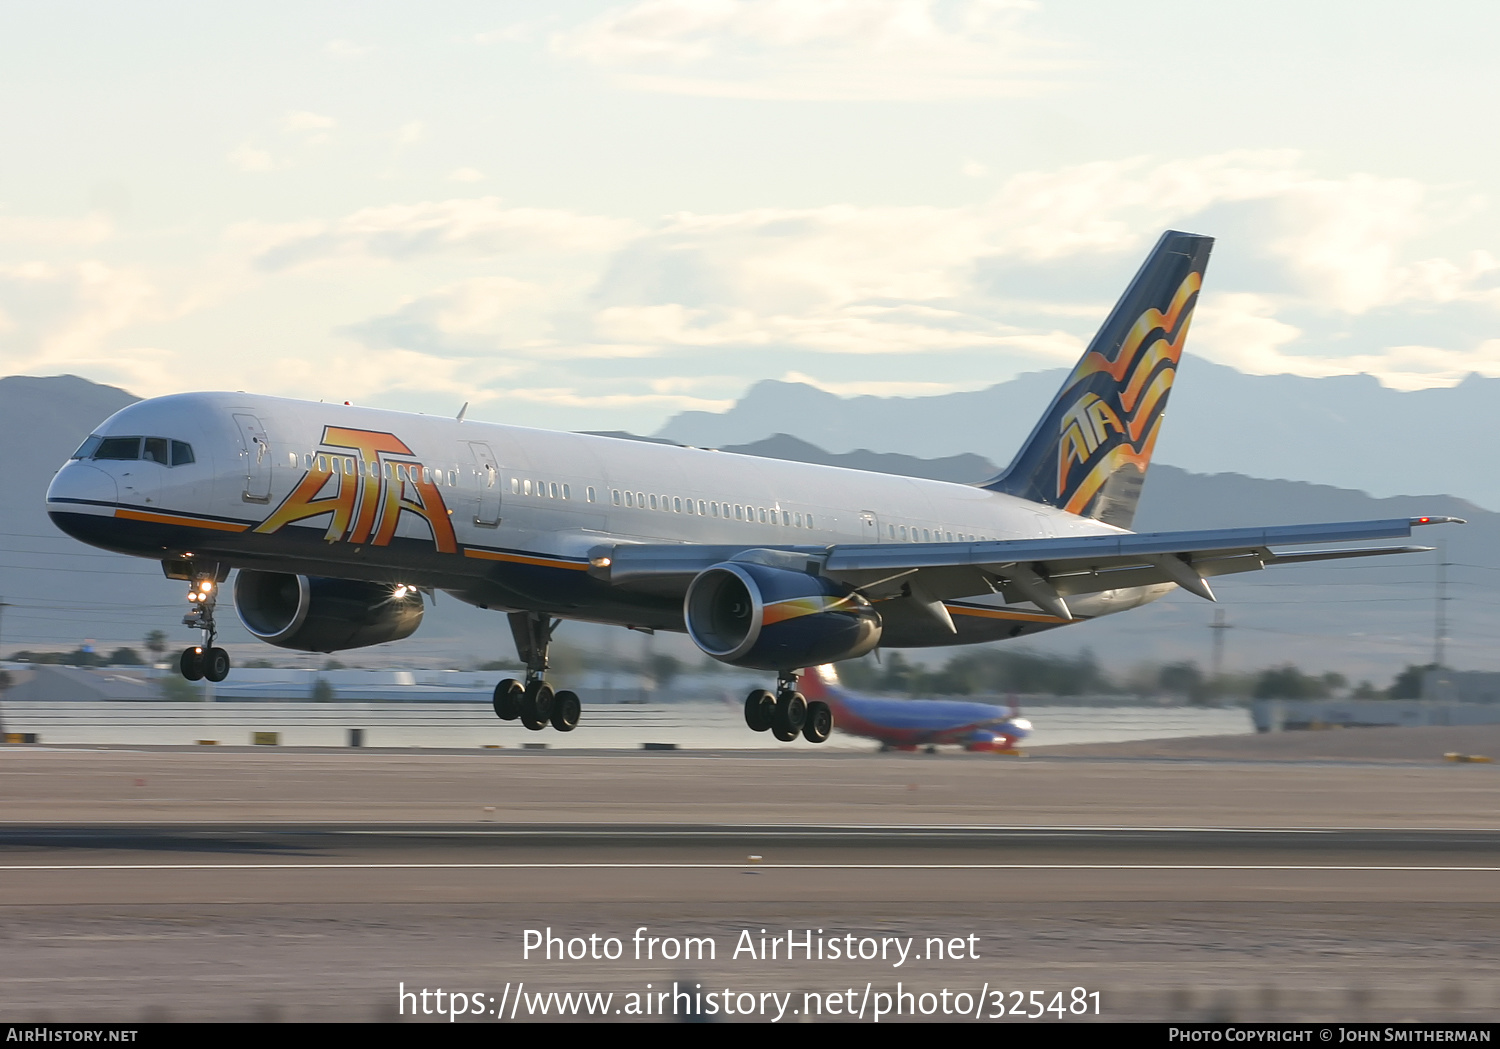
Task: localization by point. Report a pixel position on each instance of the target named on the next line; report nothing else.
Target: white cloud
(571, 397)
(312, 128)
(406, 232)
(346, 49)
(952, 297)
(32, 230)
(251, 158)
(465, 175)
(906, 281)
(303, 121)
(410, 133)
(818, 49)
(478, 317)
(1241, 330)
(883, 388)
(61, 317)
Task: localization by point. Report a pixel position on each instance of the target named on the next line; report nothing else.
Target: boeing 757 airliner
(337, 519)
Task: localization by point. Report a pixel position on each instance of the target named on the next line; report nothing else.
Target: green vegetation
(998, 671)
(79, 658)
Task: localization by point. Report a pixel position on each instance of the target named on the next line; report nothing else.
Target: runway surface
(284, 884)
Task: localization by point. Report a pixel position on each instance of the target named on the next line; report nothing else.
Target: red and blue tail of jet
(906, 724)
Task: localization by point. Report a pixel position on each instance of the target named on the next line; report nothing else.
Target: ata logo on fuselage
(356, 477)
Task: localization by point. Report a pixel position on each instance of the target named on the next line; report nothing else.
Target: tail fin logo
(1097, 438)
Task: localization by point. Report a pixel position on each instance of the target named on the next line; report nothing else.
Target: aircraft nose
(78, 484)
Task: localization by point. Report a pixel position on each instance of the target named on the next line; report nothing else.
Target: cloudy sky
(594, 215)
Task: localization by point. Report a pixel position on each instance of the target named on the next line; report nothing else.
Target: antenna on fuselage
(463, 411)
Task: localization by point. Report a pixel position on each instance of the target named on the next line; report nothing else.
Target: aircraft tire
(566, 710)
(508, 699)
(536, 705)
(192, 663)
(819, 724)
(791, 712)
(760, 710)
(216, 664)
(786, 735)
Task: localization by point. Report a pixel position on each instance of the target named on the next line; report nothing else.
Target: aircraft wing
(1044, 571)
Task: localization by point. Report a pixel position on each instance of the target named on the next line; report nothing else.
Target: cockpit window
(119, 448)
(152, 449)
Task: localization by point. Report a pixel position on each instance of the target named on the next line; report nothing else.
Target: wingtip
(1437, 520)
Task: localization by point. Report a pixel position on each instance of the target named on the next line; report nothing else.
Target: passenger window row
(929, 535)
(705, 508)
(129, 449)
(415, 473)
(543, 489)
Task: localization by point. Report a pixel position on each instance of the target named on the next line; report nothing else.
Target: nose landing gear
(205, 660)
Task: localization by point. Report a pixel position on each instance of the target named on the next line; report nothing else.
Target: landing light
(206, 585)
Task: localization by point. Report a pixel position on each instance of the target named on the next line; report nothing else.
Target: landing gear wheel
(819, 723)
(791, 712)
(565, 711)
(536, 705)
(760, 710)
(216, 664)
(192, 664)
(508, 699)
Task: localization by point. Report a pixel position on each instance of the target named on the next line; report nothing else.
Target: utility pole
(3, 607)
(1218, 626)
(1440, 611)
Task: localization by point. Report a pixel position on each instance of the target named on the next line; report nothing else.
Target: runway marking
(743, 866)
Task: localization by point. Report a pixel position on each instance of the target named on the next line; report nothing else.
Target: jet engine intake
(763, 618)
(313, 614)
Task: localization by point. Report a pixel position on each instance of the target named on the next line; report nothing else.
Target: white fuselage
(353, 492)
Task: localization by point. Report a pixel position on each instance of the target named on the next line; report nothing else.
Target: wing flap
(1044, 571)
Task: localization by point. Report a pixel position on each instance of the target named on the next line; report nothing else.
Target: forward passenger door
(487, 513)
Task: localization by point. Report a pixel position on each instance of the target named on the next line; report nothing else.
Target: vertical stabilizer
(1089, 453)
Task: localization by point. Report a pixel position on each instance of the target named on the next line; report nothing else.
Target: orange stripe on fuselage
(522, 559)
(173, 519)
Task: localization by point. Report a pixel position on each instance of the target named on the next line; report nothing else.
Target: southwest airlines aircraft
(906, 724)
(338, 518)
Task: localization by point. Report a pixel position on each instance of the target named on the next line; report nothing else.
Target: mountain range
(1347, 431)
(1366, 619)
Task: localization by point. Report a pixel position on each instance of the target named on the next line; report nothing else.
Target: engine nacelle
(312, 614)
(752, 615)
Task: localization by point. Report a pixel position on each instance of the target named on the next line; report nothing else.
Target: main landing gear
(787, 713)
(534, 702)
(205, 660)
